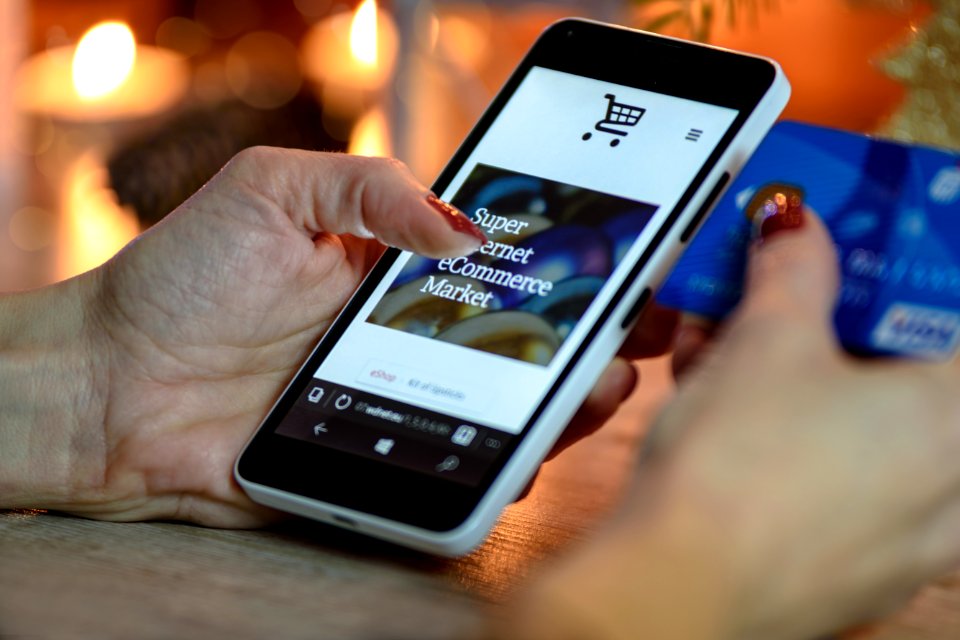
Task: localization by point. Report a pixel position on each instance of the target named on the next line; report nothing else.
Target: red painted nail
(775, 208)
(457, 219)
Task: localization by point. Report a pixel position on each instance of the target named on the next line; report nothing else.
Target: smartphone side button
(636, 308)
(705, 208)
(344, 521)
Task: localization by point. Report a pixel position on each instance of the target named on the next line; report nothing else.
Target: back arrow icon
(320, 428)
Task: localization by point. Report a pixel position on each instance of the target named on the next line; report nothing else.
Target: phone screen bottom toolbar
(360, 423)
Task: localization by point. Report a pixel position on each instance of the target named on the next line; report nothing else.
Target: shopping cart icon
(618, 115)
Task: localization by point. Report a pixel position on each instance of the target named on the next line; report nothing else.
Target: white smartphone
(437, 392)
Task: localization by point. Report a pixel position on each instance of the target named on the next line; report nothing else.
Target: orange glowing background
(830, 50)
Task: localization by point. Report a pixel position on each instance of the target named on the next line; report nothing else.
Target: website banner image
(551, 247)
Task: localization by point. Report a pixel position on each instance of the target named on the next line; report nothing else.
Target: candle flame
(93, 224)
(103, 60)
(370, 136)
(363, 33)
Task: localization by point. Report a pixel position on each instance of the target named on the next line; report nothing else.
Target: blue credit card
(893, 211)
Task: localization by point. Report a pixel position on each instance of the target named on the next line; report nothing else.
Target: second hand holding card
(893, 211)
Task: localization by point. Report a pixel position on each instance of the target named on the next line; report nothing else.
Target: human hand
(191, 332)
(788, 491)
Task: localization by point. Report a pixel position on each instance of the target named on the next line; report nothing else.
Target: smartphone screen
(447, 359)
(435, 371)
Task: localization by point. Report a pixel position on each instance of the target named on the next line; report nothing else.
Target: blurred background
(112, 112)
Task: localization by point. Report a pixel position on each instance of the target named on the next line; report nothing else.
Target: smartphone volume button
(637, 307)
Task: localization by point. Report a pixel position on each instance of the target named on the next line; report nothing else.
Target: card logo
(918, 330)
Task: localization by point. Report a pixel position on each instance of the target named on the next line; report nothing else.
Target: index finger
(366, 197)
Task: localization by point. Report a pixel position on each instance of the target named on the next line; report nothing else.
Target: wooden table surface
(68, 577)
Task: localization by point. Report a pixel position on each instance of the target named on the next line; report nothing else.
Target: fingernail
(775, 208)
(457, 219)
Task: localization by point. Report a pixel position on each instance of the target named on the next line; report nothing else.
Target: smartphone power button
(705, 208)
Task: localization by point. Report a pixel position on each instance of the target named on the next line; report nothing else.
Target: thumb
(793, 267)
(366, 197)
